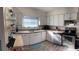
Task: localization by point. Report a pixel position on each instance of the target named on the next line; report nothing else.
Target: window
(30, 21)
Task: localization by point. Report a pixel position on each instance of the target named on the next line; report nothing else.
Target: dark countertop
(28, 32)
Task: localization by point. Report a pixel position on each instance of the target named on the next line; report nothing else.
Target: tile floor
(48, 46)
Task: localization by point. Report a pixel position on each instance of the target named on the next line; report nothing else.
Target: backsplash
(52, 27)
(43, 27)
(57, 27)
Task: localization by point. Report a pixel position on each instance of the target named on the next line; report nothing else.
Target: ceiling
(48, 9)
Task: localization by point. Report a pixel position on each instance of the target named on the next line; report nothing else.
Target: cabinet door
(48, 20)
(26, 39)
(48, 37)
(51, 20)
(43, 35)
(35, 38)
(73, 16)
(61, 20)
(67, 16)
(55, 20)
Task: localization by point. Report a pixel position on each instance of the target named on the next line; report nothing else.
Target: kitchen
(41, 28)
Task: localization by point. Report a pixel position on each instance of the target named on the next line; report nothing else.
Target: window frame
(31, 17)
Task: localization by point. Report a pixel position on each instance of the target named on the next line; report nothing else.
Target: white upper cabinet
(67, 16)
(48, 20)
(73, 16)
(70, 16)
(55, 21)
(61, 20)
(51, 20)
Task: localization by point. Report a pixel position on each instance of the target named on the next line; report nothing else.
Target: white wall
(26, 11)
(2, 31)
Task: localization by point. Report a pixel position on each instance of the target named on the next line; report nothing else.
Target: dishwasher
(54, 37)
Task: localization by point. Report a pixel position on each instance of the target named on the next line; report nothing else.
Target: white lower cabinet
(43, 35)
(33, 38)
(26, 39)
